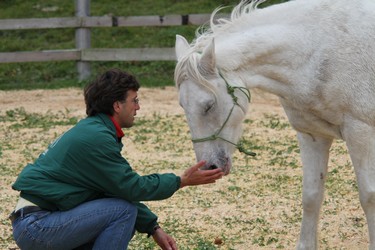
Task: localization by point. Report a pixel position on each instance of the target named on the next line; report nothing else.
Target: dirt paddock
(257, 206)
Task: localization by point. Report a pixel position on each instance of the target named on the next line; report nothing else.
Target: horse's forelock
(188, 67)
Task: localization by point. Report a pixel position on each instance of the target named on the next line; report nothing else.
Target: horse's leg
(360, 140)
(314, 154)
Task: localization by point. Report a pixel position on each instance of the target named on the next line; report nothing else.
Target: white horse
(318, 57)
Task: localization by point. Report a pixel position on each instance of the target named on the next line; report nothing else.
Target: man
(81, 193)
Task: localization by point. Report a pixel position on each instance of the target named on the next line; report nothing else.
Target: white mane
(219, 25)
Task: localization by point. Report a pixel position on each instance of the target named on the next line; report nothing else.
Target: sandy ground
(153, 100)
(164, 101)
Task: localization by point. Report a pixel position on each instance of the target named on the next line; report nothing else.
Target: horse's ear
(181, 46)
(208, 61)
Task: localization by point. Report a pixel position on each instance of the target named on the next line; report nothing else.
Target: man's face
(126, 110)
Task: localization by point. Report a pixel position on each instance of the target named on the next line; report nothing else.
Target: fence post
(83, 38)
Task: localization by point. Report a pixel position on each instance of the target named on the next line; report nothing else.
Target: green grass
(35, 75)
(21, 119)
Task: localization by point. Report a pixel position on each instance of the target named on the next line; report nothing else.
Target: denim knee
(126, 210)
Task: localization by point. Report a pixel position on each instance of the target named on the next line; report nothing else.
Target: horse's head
(214, 106)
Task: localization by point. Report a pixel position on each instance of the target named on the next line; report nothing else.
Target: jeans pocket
(18, 231)
(22, 223)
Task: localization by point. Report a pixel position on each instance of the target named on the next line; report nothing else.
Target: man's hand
(194, 176)
(165, 241)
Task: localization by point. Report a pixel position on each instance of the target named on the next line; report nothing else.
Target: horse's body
(318, 56)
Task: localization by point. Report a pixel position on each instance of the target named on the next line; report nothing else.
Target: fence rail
(104, 21)
(83, 54)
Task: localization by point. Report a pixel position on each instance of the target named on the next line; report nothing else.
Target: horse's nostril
(213, 167)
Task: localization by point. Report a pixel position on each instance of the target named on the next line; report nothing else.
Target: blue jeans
(98, 224)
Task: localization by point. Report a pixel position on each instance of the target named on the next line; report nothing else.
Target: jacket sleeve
(146, 220)
(104, 169)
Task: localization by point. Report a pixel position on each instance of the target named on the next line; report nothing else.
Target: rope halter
(215, 136)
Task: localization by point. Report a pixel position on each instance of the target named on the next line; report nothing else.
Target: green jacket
(85, 163)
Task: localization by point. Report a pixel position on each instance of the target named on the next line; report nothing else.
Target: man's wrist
(156, 227)
(182, 182)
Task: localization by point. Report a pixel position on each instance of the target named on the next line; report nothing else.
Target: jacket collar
(119, 131)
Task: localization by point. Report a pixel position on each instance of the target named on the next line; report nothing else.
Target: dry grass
(258, 206)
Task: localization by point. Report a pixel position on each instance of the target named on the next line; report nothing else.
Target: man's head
(113, 93)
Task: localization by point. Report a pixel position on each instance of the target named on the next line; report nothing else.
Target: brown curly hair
(107, 88)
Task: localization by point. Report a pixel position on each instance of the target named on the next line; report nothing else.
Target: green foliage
(271, 2)
(64, 74)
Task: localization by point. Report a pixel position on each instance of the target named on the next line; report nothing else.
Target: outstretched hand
(194, 176)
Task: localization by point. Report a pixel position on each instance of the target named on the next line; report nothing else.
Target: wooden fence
(82, 22)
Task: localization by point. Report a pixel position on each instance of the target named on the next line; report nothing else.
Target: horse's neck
(267, 55)
(269, 65)
(326, 69)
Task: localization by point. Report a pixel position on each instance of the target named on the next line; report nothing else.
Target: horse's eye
(209, 106)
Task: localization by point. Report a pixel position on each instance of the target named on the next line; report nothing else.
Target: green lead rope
(242, 149)
(215, 136)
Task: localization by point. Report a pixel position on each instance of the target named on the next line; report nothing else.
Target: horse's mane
(189, 64)
(218, 24)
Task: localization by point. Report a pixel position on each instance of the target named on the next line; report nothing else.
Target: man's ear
(116, 106)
